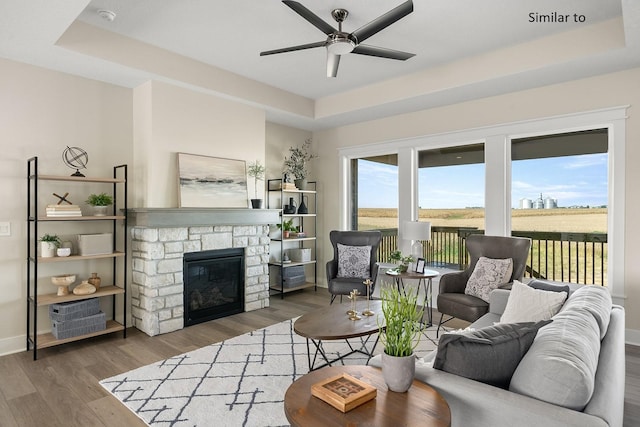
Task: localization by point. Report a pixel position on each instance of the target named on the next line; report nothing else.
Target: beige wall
(41, 113)
(576, 96)
(170, 119)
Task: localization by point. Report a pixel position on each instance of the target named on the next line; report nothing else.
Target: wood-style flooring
(61, 388)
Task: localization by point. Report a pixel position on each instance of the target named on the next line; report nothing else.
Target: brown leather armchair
(341, 285)
(452, 300)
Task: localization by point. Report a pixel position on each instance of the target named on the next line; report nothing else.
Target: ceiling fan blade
(381, 52)
(310, 16)
(294, 48)
(333, 61)
(382, 22)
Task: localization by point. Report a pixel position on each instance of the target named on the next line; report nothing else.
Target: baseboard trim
(13, 345)
(632, 337)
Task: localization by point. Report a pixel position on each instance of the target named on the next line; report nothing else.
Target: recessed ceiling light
(107, 15)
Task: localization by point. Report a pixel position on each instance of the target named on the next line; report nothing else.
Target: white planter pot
(100, 210)
(398, 372)
(47, 249)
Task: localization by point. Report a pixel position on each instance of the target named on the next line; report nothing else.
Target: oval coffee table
(332, 323)
(420, 406)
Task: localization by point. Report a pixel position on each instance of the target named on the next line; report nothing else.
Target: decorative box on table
(344, 392)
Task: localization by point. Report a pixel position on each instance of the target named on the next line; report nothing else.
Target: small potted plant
(296, 163)
(100, 203)
(400, 335)
(402, 261)
(256, 170)
(49, 243)
(288, 228)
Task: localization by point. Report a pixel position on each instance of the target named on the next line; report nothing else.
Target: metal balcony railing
(559, 256)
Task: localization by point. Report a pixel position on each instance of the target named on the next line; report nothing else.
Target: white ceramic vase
(398, 372)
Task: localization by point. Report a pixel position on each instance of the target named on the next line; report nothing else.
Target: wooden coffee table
(420, 406)
(332, 323)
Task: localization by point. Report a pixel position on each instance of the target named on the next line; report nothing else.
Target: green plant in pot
(400, 335)
(287, 228)
(100, 203)
(296, 163)
(48, 245)
(402, 261)
(256, 170)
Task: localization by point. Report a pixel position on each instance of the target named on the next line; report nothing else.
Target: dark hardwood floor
(61, 388)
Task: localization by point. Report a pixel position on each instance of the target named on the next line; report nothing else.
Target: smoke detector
(107, 15)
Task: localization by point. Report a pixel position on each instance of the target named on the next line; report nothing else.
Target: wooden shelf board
(294, 239)
(47, 299)
(77, 179)
(297, 215)
(291, 264)
(79, 257)
(48, 340)
(291, 289)
(81, 218)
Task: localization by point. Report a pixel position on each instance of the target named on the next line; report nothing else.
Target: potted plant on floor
(296, 163)
(400, 335)
(49, 243)
(256, 170)
(100, 203)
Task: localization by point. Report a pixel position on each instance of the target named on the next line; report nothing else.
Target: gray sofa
(474, 403)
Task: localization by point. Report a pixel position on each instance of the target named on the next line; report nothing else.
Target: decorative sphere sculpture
(75, 158)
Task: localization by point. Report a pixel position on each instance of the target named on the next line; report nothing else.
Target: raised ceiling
(465, 49)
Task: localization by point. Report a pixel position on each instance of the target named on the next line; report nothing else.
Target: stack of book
(288, 186)
(63, 210)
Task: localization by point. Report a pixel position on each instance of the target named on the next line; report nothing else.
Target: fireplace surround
(161, 237)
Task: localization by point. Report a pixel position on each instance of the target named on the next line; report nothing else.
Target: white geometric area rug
(237, 382)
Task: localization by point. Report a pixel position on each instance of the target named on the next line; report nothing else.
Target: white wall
(576, 96)
(170, 119)
(42, 113)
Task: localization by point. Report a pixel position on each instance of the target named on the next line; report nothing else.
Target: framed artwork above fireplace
(211, 182)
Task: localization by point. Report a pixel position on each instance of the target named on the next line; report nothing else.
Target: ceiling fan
(339, 43)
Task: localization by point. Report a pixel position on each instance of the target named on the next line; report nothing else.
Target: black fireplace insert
(213, 284)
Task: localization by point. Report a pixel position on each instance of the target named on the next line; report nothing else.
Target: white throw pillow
(487, 275)
(526, 304)
(354, 261)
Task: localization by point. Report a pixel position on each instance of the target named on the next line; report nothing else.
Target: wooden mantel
(190, 217)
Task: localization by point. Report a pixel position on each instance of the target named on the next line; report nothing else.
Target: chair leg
(333, 296)
(440, 323)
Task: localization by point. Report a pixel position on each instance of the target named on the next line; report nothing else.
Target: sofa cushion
(487, 275)
(489, 355)
(526, 304)
(354, 261)
(561, 364)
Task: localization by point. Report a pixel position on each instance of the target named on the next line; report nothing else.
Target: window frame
(497, 141)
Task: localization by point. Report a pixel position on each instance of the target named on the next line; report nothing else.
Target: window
(375, 193)
(559, 199)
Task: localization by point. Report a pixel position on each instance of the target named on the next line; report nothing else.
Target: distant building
(539, 203)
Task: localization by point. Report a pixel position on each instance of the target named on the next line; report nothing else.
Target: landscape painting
(211, 182)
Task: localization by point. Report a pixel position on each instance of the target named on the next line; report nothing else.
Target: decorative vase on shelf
(301, 184)
(95, 280)
(256, 203)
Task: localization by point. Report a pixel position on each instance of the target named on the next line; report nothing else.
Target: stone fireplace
(160, 239)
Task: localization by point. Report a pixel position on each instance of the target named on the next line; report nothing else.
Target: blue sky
(572, 180)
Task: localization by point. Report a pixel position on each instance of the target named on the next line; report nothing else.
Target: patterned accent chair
(452, 299)
(344, 285)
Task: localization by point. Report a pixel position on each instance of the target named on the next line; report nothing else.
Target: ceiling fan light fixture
(338, 44)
